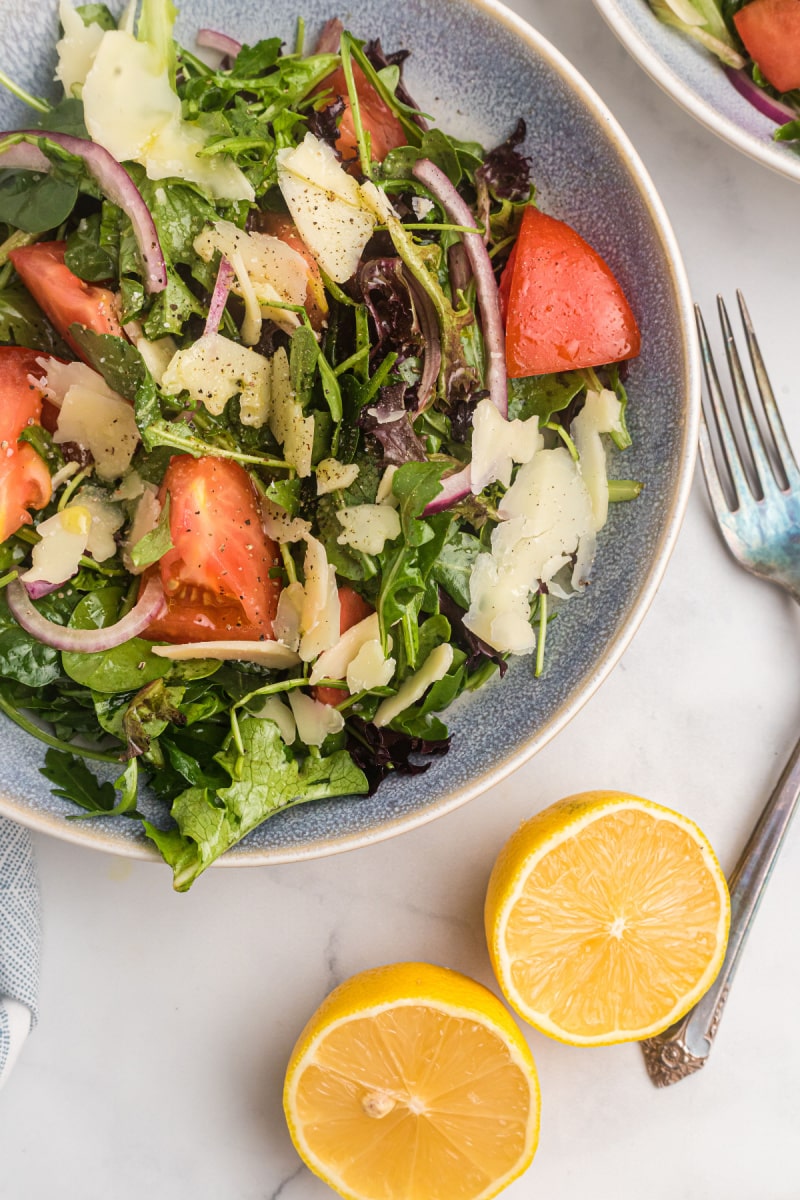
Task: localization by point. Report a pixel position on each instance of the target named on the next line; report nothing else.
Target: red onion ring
(210, 39)
(41, 588)
(494, 336)
(150, 605)
(454, 488)
(219, 297)
(766, 105)
(113, 180)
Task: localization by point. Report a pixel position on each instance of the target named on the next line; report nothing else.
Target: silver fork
(760, 523)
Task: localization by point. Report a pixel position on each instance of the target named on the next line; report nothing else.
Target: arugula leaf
(255, 60)
(90, 254)
(96, 14)
(415, 485)
(454, 564)
(541, 395)
(72, 780)
(265, 780)
(120, 363)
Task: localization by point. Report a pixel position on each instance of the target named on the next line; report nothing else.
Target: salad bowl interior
(697, 81)
(475, 86)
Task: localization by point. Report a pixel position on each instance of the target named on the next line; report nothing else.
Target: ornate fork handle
(685, 1046)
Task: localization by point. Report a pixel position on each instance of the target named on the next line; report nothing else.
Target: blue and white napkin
(20, 942)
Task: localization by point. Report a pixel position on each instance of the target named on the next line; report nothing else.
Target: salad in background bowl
(292, 474)
(704, 54)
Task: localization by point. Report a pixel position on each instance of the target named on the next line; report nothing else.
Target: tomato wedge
(564, 307)
(352, 609)
(24, 477)
(384, 128)
(770, 30)
(282, 226)
(63, 297)
(216, 578)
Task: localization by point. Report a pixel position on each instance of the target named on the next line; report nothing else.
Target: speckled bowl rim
(56, 826)
(766, 152)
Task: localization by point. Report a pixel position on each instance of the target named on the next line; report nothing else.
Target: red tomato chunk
(564, 308)
(770, 30)
(24, 477)
(216, 578)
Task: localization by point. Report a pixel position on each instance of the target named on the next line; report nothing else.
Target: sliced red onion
(210, 39)
(329, 38)
(459, 213)
(766, 105)
(150, 605)
(429, 327)
(458, 269)
(219, 297)
(40, 587)
(113, 180)
(454, 488)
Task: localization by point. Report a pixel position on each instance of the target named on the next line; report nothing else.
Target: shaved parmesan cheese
(96, 418)
(315, 721)
(57, 556)
(497, 444)
(286, 624)
(106, 519)
(289, 427)
(333, 663)
(435, 667)
(280, 526)
(77, 48)
(273, 709)
(546, 515)
(130, 487)
(145, 519)
(266, 654)
(367, 527)
(267, 269)
(214, 369)
(58, 377)
(385, 494)
(602, 413)
(326, 205)
(157, 355)
(321, 614)
(333, 475)
(370, 668)
(131, 110)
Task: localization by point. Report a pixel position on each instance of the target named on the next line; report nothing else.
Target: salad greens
(353, 411)
(712, 24)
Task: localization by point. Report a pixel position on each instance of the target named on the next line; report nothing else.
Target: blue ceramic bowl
(697, 81)
(572, 138)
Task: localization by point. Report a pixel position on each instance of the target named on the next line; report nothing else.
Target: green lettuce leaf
(264, 780)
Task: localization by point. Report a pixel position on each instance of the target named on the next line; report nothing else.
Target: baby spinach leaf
(125, 668)
(22, 323)
(454, 564)
(541, 395)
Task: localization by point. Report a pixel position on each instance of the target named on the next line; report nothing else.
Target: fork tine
(760, 463)
(784, 450)
(729, 449)
(715, 490)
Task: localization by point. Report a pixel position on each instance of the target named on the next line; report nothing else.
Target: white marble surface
(167, 1020)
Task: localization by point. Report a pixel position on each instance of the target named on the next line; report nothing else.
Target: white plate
(696, 80)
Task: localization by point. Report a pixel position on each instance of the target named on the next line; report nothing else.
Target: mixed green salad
(304, 408)
(758, 43)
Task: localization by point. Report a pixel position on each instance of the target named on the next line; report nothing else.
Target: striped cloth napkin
(20, 942)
